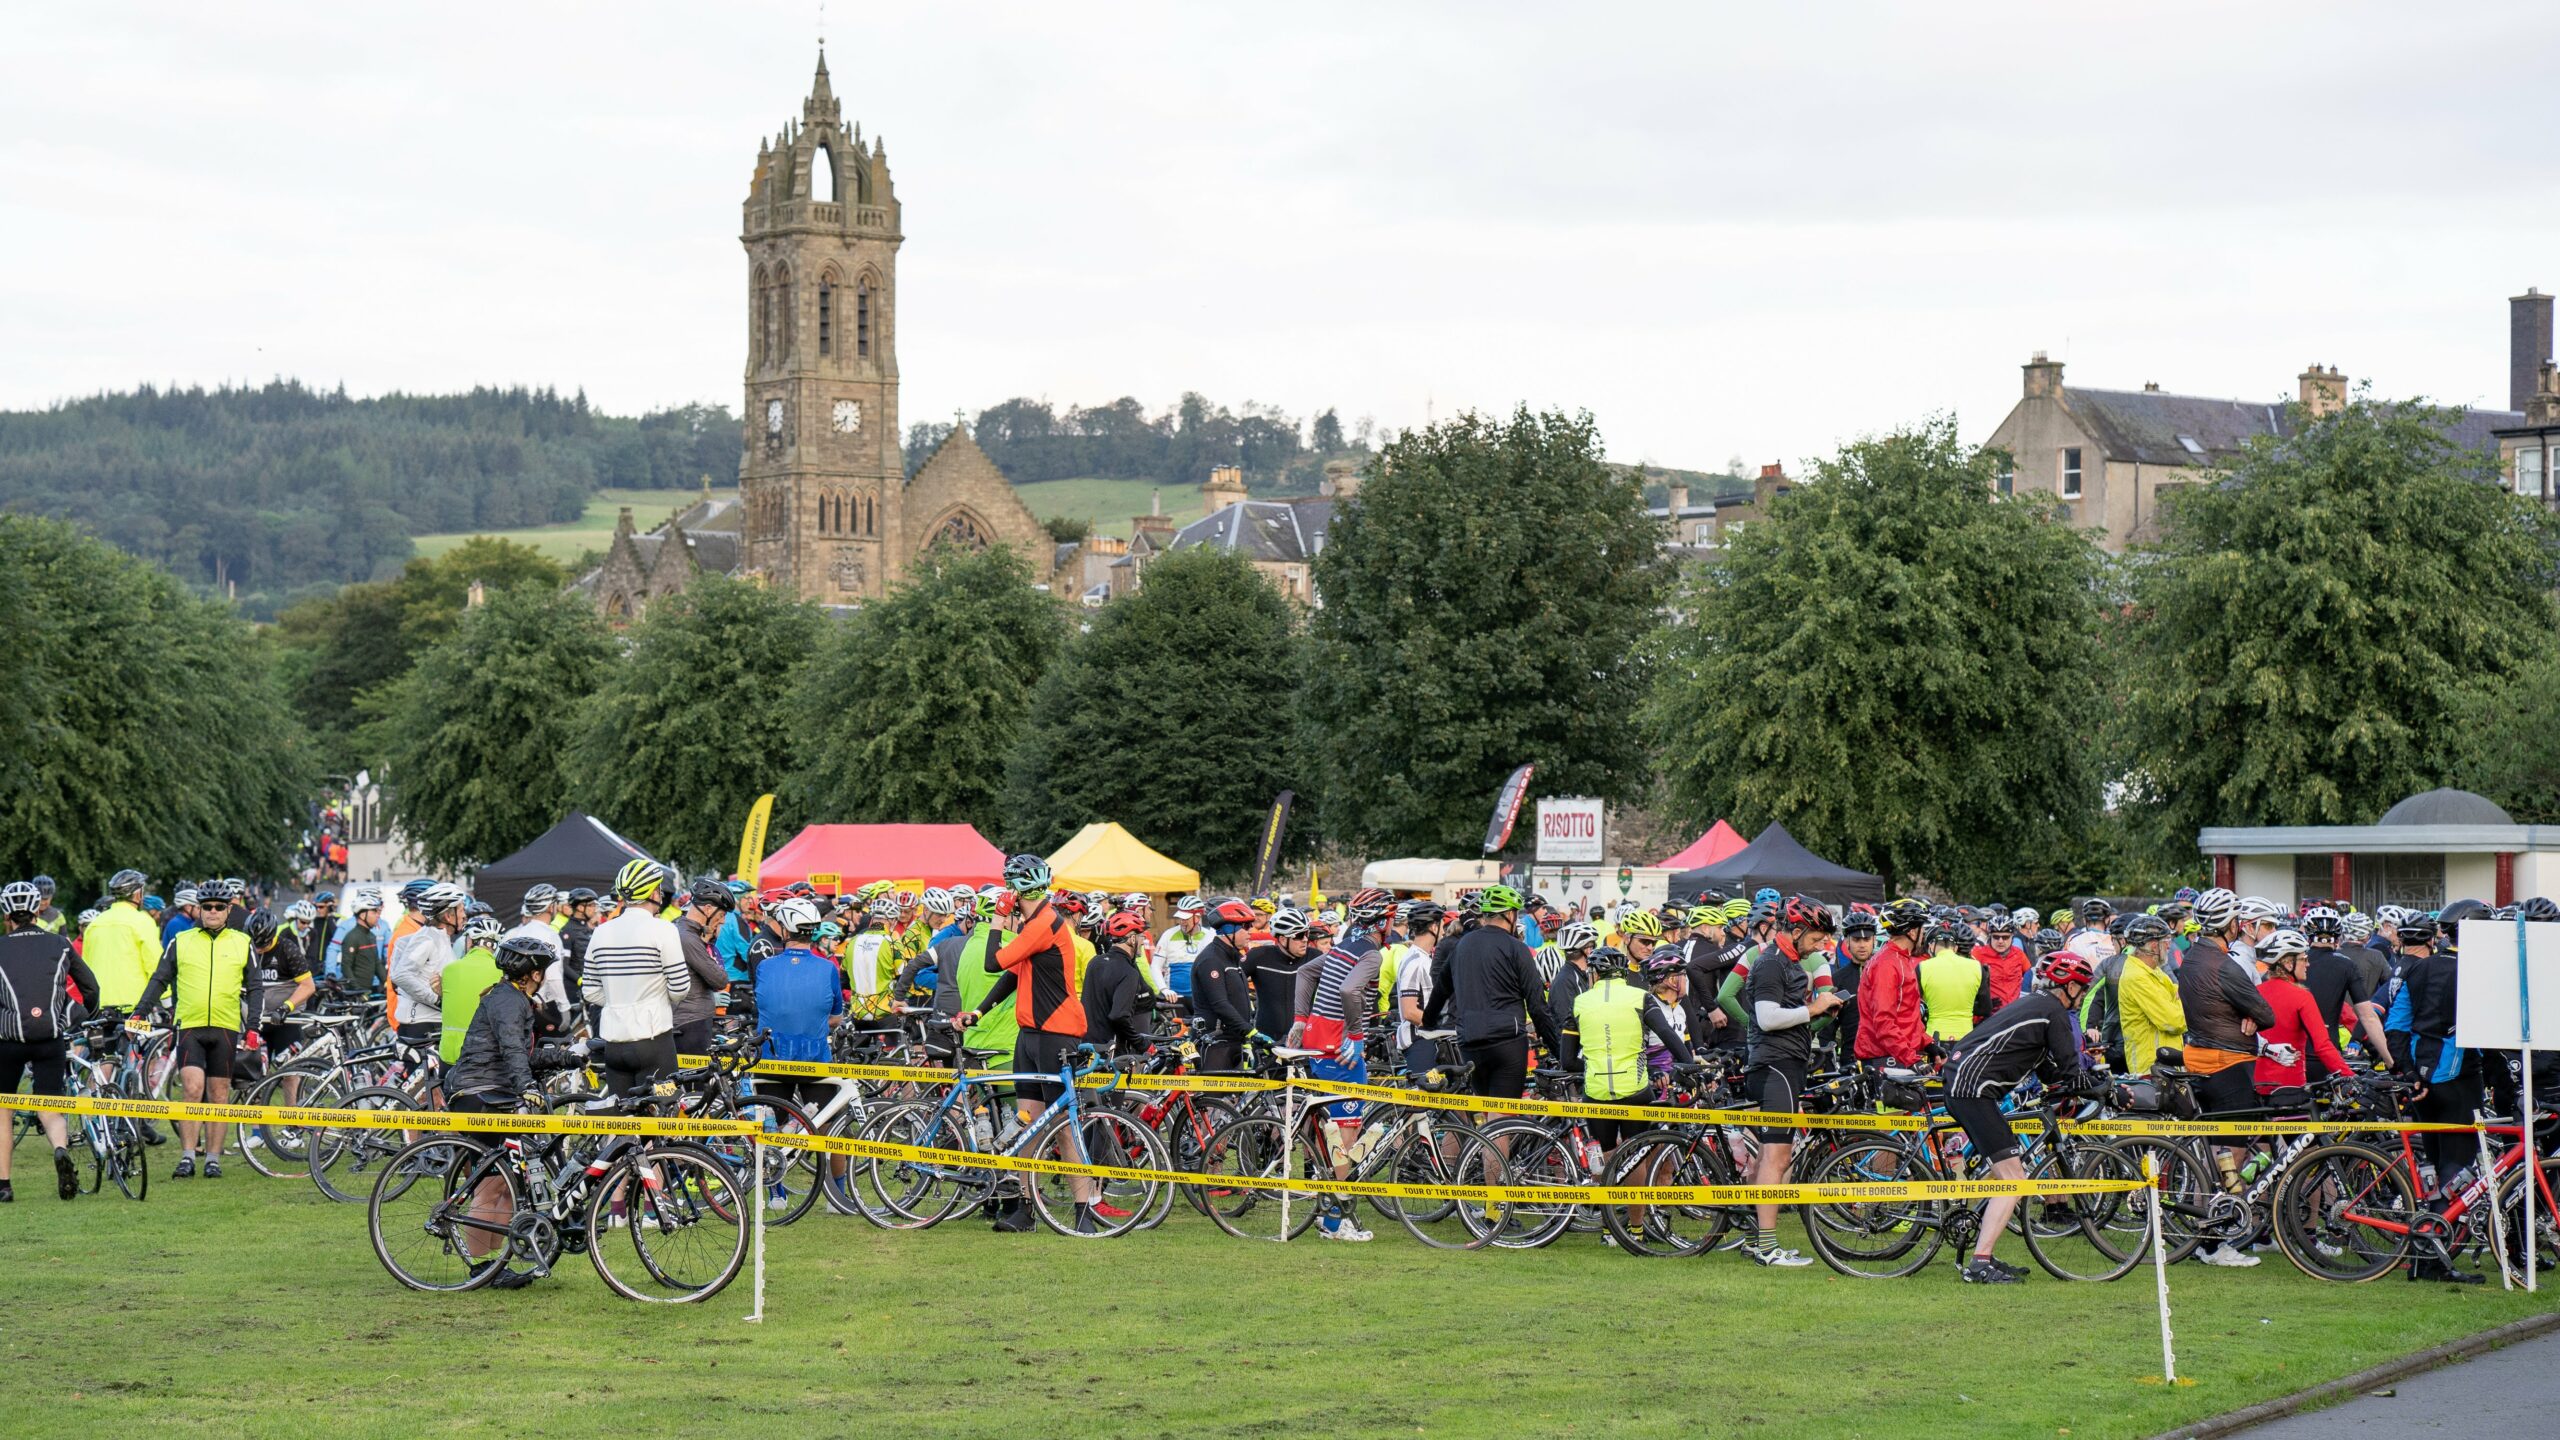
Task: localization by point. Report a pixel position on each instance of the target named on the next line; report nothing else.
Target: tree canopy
(1894, 663)
(1484, 596)
(141, 727)
(1163, 717)
(696, 721)
(910, 710)
(474, 738)
(2300, 641)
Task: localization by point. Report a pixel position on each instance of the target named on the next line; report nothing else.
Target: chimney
(1341, 480)
(2324, 392)
(478, 597)
(2543, 407)
(1679, 497)
(2528, 344)
(2044, 378)
(2150, 387)
(1772, 483)
(1224, 487)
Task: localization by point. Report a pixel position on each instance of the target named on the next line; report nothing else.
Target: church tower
(823, 472)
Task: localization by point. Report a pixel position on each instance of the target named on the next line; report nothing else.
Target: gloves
(1349, 1054)
(2283, 1054)
(533, 1100)
(1258, 1038)
(579, 1047)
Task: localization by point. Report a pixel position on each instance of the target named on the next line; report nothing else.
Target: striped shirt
(635, 971)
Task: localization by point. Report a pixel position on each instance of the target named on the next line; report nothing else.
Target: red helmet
(1803, 912)
(1124, 924)
(2064, 968)
(1233, 912)
(1371, 905)
(1068, 902)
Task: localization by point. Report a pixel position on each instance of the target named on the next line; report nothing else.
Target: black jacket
(498, 1053)
(1220, 998)
(37, 969)
(1113, 995)
(1487, 981)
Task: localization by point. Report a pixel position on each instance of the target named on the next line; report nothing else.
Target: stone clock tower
(823, 472)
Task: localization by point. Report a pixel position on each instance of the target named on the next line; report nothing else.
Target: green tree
(696, 721)
(1483, 599)
(474, 738)
(1893, 663)
(1161, 717)
(2300, 641)
(2511, 750)
(143, 727)
(912, 708)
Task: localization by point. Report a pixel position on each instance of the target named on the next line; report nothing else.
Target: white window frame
(2533, 486)
(2071, 476)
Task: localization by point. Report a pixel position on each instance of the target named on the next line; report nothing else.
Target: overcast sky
(1725, 229)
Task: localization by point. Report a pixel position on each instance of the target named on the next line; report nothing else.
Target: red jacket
(1890, 1020)
(2299, 1025)
(2005, 971)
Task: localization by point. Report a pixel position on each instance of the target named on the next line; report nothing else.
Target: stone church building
(825, 508)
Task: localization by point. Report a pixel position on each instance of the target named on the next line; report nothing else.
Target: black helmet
(2539, 908)
(2145, 930)
(2451, 917)
(582, 896)
(522, 955)
(125, 882)
(2094, 911)
(711, 891)
(261, 929)
(1858, 922)
(1904, 914)
(2415, 929)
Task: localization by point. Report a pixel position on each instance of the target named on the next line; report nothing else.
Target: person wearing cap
(211, 976)
(359, 949)
(1181, 944)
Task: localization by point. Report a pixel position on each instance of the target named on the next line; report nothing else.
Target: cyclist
(2004, 961)
(1115, 987)
(2338, 986)
(493, 1062)
(1041, 978)
(418, 960)
(283, 978)
(2146, 997)
(472, 975)
(38, 969)
(1574, 942)
(2256, 919)
(208, 972)
(1490, 979)
(799, 992)
(1424, 924)
(1849, 970)
(1221, 996)
(1892, 1019)
(2421, 1027)
(1273, 970)
(1618, 1028)
(360, 960)
(2225, 1016)
(2300, 1030)
(707, 904)
(122, 946)
(1784, 1005)
(2034, 1034)
(635, 973)
(1955, 989)
(1337, 993)
(1179, 947)
(2091, 942)
(578, 913)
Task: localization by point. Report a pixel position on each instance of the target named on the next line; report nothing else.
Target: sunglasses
(213, 904)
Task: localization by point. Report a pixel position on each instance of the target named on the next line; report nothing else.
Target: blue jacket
(797, 992)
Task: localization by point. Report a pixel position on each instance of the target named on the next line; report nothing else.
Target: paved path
(2515, 1391)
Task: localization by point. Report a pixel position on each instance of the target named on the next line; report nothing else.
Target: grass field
(250, 1306)
(592, 531)
(1109, 504)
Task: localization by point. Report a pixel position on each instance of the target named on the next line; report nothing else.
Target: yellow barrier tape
(309, 1118)
(1716, 1195)
(930, 1075)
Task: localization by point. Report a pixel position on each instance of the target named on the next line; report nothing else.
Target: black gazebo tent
(580, 850)
(1775, 860)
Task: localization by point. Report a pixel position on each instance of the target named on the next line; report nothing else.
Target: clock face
(848, 418)
(773, 417)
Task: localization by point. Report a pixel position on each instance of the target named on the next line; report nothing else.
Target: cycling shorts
(46, 1058)
(2227, 1090)
(1779, 1087)
(1984, 1125)
(1502, 1067)
(630, 1066)
(209, 1048)
(1344, 1112)
(1607, 1133)
(1037, 1052)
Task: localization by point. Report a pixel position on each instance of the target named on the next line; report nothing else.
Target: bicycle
(114, 1142)
(2350, 1211)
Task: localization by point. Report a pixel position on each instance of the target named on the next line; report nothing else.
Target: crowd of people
(2252, 999)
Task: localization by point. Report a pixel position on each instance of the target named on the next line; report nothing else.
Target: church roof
(712, 513)
(1277, 530)
(715, 551)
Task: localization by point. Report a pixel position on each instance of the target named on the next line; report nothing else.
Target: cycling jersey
(1114, 990)
(1041, 976)
(1490, 981)
(973, 980)
(2004, 970)
(2217, 997)
(2031, 1035)
(417, 958)
(635, 970)
(798, 993)
(1220, 997)
(1176, 950)
(1892, 1022)
(497, 1053)
(1780, 989)
(1564, 987)
(1658, 1054)
(122, 947)
(465, 981)
(1274, 974)
(1612, 1022)
(2148, 1009)
(1334, 995)
(2298, 1023)
(37, 970)
(208, 975)
(1952, 989)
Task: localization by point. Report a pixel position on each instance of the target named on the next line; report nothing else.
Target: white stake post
(2497, 1221)
(1288, 1148)
(2160, 1272)
(756, 1142)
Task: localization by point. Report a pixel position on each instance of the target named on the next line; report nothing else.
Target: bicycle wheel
(267, 1148)
(1100, 1136)
(916, 1194)
(346, 1162)
(288, 1148)
(1445, 1155)
(1880, 1239)
(1254, 1148)
(2542, 1253)
(2084, 1237)
(791, 1183)
(836, 1173)
(2344, 1212)
(123, 1160)
(2186, 1189)
(1533, 1155)
(439, 1213)
(1670, 1158)
(667, 1225)
(1188, 1122)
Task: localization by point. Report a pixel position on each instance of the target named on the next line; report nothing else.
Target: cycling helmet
(125, 882)
(482, 930)
(1765, 895)
(938, 901)
(1233, 913)
(88, 918)
(1190, 905)
(2216, 908)
(1942, 935)
(2450, 918)
(1370, 905)
(1904, 914)
(1024, 874)
(1705, 915)
(440, 897)
(1422, 914)
(301, 912)
(1580, 936)
(2094, 911)
(1498, 900)
(2116, 924)
(707, 891)
(154, 904)
(1858, 922)
(1663, 964)
(261, 928)
(798, 917)
(2321, 924)
(1803, 912)
(187, 897)
(1470, 903)
(2539, 908)
(359, 901)
(1123, 925)
(2282, 943)
(538, 898)
(582, 896)
(2062, 967)
(2255, 908)
(1067, 902)
(2145, 930)
(1137, 901)
(2001, 926)
(1290, 924)
(2026, 915)
(522, 955)
(2187, 895)
(1642, 923)
(2415, 929)
(883, 908)
(1265, 905)
(2357, 926)
(638, 880)
(20, 897)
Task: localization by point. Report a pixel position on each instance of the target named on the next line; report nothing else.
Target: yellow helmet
(1640, 922)
(638, 880)
(1264, 905)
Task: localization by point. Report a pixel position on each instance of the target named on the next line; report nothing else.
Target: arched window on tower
(822, 176)
(862, 318)
(826, 314)
(782, 312)
(759, 318)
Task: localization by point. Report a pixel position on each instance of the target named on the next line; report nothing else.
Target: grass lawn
(1109, 504)
(591, 531)
(250, 1306)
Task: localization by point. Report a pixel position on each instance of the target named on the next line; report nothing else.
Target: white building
(2425, 852)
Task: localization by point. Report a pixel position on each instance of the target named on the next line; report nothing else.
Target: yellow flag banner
(751, 844)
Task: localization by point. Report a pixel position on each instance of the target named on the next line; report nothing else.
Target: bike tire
(785, 1169)
(2324, 1202)
(914, 1194)
(1254, 1147)
(684, 1236)
(2187, 1187)
(1883, 1238)
(2080, 1237)
(1670, 1157)
(1447, 1155)
(417, 1215)
(345, 1168)
(1107, 1136)
(2542, 1254)
(1536, 1155)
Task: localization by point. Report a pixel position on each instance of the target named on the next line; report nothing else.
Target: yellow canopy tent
(1103, 856)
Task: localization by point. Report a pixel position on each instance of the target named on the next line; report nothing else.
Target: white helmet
(301, 912)
(365, 898)
(2283, 943)
(937, 901)
(1190, 905)
(797, 916)
(1577, 936)
(884, 907)
(2257, 908)
(442, 896)
(482, 930)
(2215, 907)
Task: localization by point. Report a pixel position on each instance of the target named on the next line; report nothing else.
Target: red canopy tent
(1720, 841)
(858, 854)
